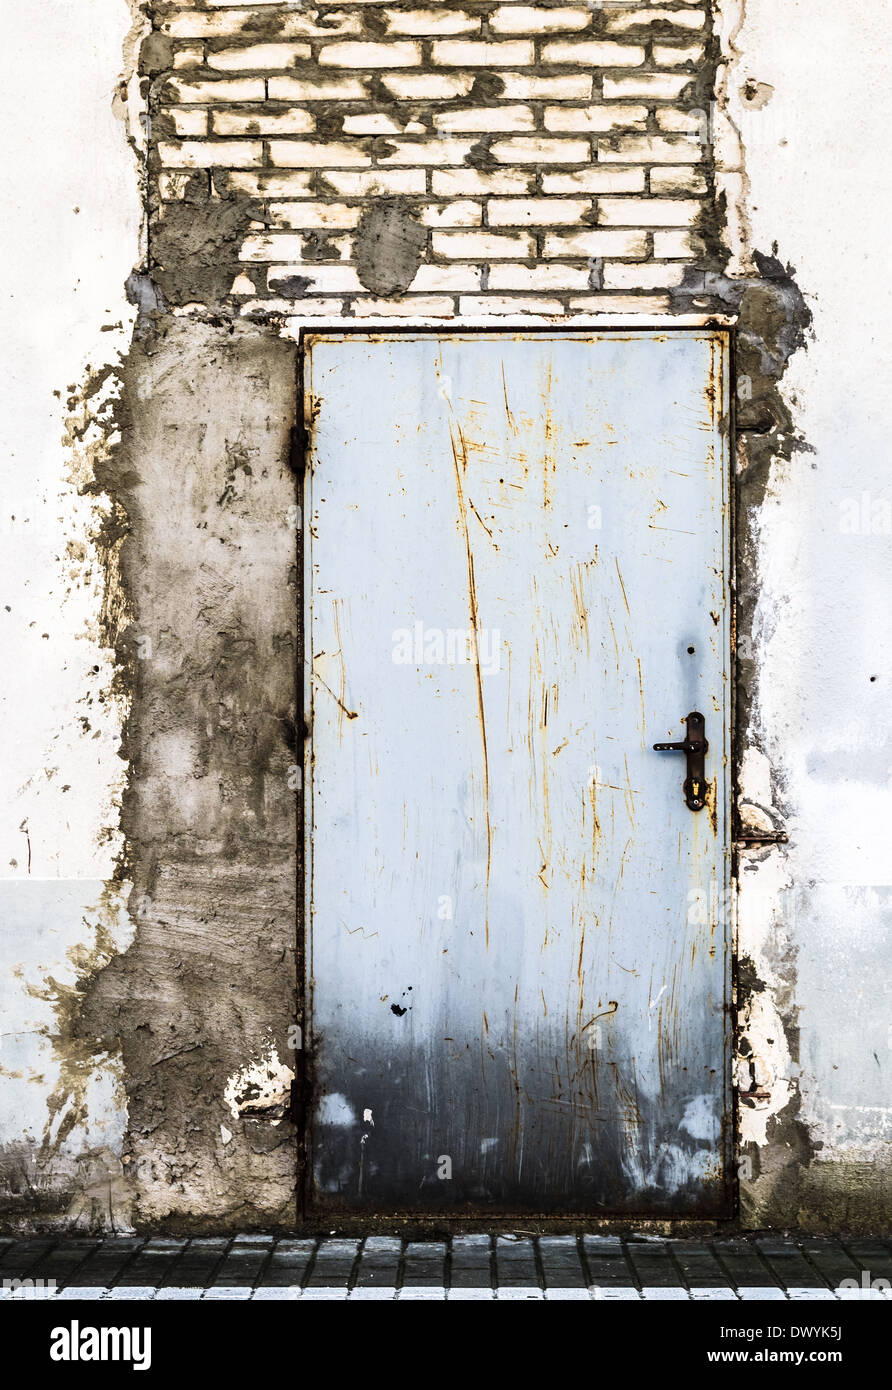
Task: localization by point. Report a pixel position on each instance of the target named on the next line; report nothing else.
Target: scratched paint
(517, 948)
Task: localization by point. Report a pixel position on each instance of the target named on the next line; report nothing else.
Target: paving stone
(518, 1293)
(561, 1265)
(224, 1292)
(470, 1264)
(606, 1261)
(242, 1265)
(788, 1263)
(373, 1295)
(698, 1265)
(179, 1294)
(63, 1261)
(768, 1293)
(424, 1264)
(333, 1263)
(379, 1262)
(22, 1256)
(873, 1256)
(743, 1265)
(107, 1262)
(471, 1295)
(320, 1292)
(809, 1294)
(653, 1263)
(197, 1263)
(422, 1293)
(280, 1293)
(721, 1294)
(665, 1293)
(830, 1258)
(616, 1294)
(566, 1294)
(289, 1263)
(516, 1263)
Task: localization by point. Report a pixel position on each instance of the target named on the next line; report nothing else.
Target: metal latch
(695, 749)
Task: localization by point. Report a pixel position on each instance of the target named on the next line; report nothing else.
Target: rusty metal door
(516, 578)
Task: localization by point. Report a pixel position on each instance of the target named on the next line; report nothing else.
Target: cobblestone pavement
(462, 1268)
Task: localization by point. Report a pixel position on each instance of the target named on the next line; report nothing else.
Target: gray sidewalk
(461, 1268)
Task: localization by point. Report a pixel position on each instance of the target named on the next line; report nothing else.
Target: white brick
(209, 154)
(504, 304)
(442, 21)
(663, 86)
(266, 183)
(294, 122)
(636, 19)
(536, 19)
(538, 212)
(172, 187)
(426, 86)
(353, 54)
(539, 150)
(191, 57)
(482, 246)
(595, 117)
(189, 121)
(460, 214)
(309, 214)
(417, 306)
(684, 122)
(677, 179)
(323, 279)
(458, 54)
(650, 149)
(201, 24)
(374, 184)
(321, 154)
(666, 56)
(448, 183)
(648, 212)
(486, 118)
(432, 151)
(653, 276)
(575, 86)
(620, 304)
(595, 180)
(375, 123)
(675, 245)
(272, 247)
(260, 55)
(579, 245)
(538, 277)
(459, 278)
(236, 89)
(595, 54)
(323, 89)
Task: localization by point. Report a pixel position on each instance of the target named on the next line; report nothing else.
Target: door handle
(695, 748)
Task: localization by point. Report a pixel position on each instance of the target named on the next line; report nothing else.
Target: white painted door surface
(516, 571)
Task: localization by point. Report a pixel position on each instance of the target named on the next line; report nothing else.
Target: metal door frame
(302, 1087)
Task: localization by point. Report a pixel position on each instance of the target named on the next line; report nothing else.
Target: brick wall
(473, 157)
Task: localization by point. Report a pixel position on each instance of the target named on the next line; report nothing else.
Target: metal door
(516, 582)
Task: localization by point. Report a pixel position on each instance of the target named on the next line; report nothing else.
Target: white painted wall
(70, 238)
(815, 156)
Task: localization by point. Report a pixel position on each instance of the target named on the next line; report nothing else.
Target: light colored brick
(665, 56)
(234, 89)
(620, 304)
(374, 184)
(323, 279)
(414, 306)
(441, 21)
(650, 149)
(538, 212)
(536, 19)
(595, 117)
(427, 86)
(653, 276)
(663, 86)
(190, 121)
(486, 118)
(191, 57)
(540, 150)
(293, 122)
(595, 180)
(201, 154)
(448, 183)
(522, 86)
(458, 278)
(266, 184)
(321, 89)
(457, 53)
(595, 54)
(201, 24)
(677, 179)
(684, 122)
(459, 214)
(676, 245)
(648, 212)
(259, 55)
(579, 245)
(482, 246)
(321, 308)
(356, 54)
(538, 277)
(373, 123)
(436, 151)
(316, 154)
(311, 214)
(472, 305)
(172, 187)
(272, 247)
(637, 19)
